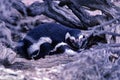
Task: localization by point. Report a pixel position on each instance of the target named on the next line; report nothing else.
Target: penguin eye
(72, 40)
(81, 37)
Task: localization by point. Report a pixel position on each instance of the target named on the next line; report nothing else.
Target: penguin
(48, 39)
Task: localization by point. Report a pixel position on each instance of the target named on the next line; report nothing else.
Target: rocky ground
(94, 64)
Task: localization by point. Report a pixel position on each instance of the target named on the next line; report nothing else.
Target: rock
(6, 74)
(92, 65)
(7, 55)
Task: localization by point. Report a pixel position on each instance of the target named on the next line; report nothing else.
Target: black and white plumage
(48, 39)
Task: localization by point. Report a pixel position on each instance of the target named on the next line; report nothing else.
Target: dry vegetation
(100, 61)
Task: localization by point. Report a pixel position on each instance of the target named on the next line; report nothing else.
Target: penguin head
(74, 38)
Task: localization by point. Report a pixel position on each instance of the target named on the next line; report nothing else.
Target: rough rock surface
(93, 64)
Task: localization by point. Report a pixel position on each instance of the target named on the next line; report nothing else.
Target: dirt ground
(42, 69)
